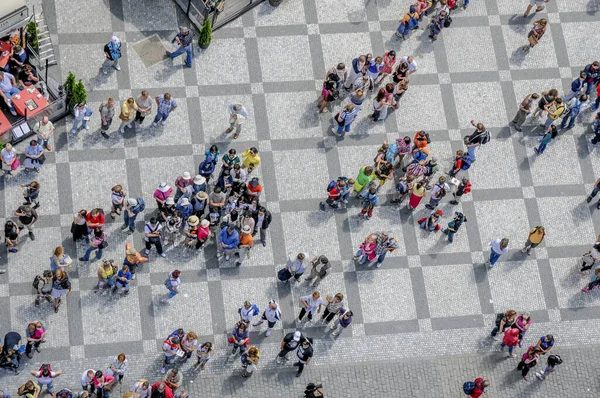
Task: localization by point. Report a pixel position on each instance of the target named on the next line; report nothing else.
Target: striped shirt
(385, 244)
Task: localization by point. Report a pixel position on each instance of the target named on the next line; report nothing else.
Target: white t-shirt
(137, 387)
(168, 350)
(314, 304)
(45, 379)
(412, 66)
(339, 72)
(85, 379)
(189, 344)
(149, 229)
(175, 282)
(495, 244)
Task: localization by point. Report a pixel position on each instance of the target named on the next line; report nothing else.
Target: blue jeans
(341, 129)
(381, 257)
(595, 192)
(589, 87)
(541, 148)
(450, 235)
(471, 150)
(123, 285)
(494, 256)
(181, 50)
(161, 116)
(363, 257)
(172, 293)
(9, 95)
(76, 124)
(44, 142)
(89, 250)
(571, 122)
(110, 281)
(510, 348)
(129, 221)
(102, 393)
(49, 386)
(466, 2)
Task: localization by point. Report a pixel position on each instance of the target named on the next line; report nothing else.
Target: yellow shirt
(249, 158)
(129, 112)
(536, 237)
(106, 274)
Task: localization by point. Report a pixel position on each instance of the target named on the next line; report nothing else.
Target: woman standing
(344, 119)
(240, 338)
(546, 100)
(11, 236)
(9, 157)
(79, 227)
(379, 105)
(510, 340)
(374, 68)
(384, 172)
(118, 368)
(117, 196)
(249, 361)
(97, 242)
(416, 195)
(60, 259)
(162, 193)
(546, 139)
(504, 322)
(34, 157)
(333, 307)
(536, 33)
(203, 354)
(310, 304)
(128, 113)
(498, 248)
(523, 322)
(61, 286)
(188, 344)
(342, 322)
(366, 251)
(35, 333)
(31, 193)
(357, 98)
(389, 60)
(144, 103)
(536, 236)
(528, 361)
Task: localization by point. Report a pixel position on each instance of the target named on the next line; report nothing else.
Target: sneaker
(233, 350)
(228, 130)
(512, 356)
(122, 131)
(268, 332)
(163, 370)
(520, 130)
(36, 206)
(154, 124)
(525, 378)
(335, 334)
(13, 250)
(163, 255)
(30, 355)
(86, 127)
(13, 112)
(378, 265)
(502, 349)
(104, 135)
(124, 226)
(487, 263)
(588, 199)
(31, 235)
(523, 250)
(117, 67)
(594, 108)
(163, 122)
(297, 364)
(82, 259)
(298, 374)
(227, 257)
(147, 251)
(133, 276)
(165, 242)
(38, 349)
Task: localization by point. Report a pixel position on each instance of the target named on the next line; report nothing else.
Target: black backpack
(36, 281)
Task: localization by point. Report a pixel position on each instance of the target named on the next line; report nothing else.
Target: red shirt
(334, 193)
(256, 189)
(203, 233)
(98, 219)
(168, 391)
(478, 389)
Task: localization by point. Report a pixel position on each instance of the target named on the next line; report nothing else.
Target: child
(549, 136)
(552, 364)
(327, 94)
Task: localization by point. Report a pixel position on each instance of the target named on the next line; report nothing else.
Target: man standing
(454, 225)
(184, 39)
(524, 110)
(385, 245)
(8, 89)
(27, 217)
(272, 314)
(182, 183)
(577, 86)
(262, 220)
(237, 115)
(410, 63)
(165, 105)
(229, 239)
(574, 108)
(540, 5)
(44, 130)
(304, 353)
(290, 342)
(592, 72)
(46, 377)
(320, 265)
(112, 52)
(170, 348)
(132, 209)
(107, 112)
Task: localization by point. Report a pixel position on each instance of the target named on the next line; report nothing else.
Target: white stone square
(314, 232)
(293, 115)
(460, 300)
(76, 18)
(510, 284)
(568, 284)
(287, 13)
(379, 288)
(22, 312)
(343, 47)
(496, 165)
(157, 76)
(478, 56)
(224, 62)
(89, 193)
(307, 181)
(88, 69)
(277, 65)
(515, 37)
(579, 43)
(567, 220)
(489, 214)
(481, 101)
(215, 118)
(329, 12)
(411, 104)
(33, 256)
(558, 157)
(176, 130)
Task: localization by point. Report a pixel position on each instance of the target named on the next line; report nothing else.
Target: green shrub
(205, 33)
(79, 93)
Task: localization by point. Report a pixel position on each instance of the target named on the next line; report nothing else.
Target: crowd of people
(223, 205)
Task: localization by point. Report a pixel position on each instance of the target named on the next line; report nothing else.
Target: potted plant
(69, 85)
(32, 35)
(205, 34)
(79, 93)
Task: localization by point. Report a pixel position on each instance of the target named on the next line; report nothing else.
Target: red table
(4, 46)
(5, 124)
(25, 95)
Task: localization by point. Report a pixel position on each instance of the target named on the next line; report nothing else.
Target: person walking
(164, 106)
(271, 314)
(504, 322)
(524, 111)
(454, 225)
(127, 116)
(112, 52)
(184, 39)
(152, 232)
(540, 5)
(320, 266)
(295, 268)
(310, 304)
(536, 236)
(144, 106)
(344, 119)
(463, 187)
(290, 342)
(173, 284)
(510, 340)
(237, 115)
(498, 247)
(107, 112)
(551, 365)
(528, 361)
(370, 199)
(546, 139)
(409, 22)
(44, 129)
(31, 194)
(97, 241)
(536, 33)
(26, 218)
(61, 287)
(573, 107)
(304, 354)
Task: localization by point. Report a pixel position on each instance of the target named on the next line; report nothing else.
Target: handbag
(15, 164)
(123, 117)
(337, 119)
(41, 160)
(103, 245)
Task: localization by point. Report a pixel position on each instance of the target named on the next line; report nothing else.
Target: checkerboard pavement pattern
(429, 299)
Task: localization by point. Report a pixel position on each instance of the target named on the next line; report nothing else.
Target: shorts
(539, 3)
(169, 359)
(58, 293)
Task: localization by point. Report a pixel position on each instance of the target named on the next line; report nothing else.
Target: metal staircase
(45, 49)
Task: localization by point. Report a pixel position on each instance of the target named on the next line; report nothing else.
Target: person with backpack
(403, 188)
(479, 137)
(344, 119)
(476, 388)
(574, 108)
(463, 187)
(11, 236)
(546, 139)
(504, 321)
(152, 232)
(112, 52)
(454, 225)
(248, 311)
(431, 223)
(97, 242)
(551, 365)
(173, 284)
(437, 193)
(45, 377)
(528, 361)
(437, 24)
(132, 209)
(536, 236)
(497, 248)
(370, 199)
(43, 286)
(408, 23)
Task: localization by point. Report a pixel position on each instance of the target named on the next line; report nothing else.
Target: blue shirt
(5, 84)
(33, 151)
(165, 107)
(122, 274)
(545, 343)
(349, 116)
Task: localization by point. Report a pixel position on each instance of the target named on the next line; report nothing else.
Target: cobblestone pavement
(273, 61)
